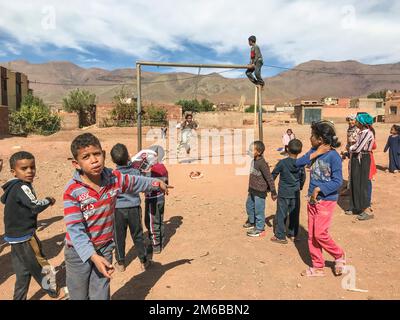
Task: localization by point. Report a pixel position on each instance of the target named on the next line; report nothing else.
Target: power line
(332, 72)
(126, 83)
(213, 74)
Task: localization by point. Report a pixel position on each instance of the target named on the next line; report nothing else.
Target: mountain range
(311, 80)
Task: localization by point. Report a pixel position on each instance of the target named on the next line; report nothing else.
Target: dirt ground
(208, 255)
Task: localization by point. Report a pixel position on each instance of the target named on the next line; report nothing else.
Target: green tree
(378, 95)
(156, 115)
(195, 106)
(125, 107)
(34, 117)
(250, 109)
(82, 102)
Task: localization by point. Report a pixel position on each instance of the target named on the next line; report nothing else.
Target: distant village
(15, 85)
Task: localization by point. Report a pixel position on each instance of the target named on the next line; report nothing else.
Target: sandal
(313, 272)
(340, 265)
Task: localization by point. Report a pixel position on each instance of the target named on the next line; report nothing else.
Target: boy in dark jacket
(260, 183)
(291, 181)
(20, 222)
(127, 213)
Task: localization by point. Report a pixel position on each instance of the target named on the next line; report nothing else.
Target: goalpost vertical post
(139, 106)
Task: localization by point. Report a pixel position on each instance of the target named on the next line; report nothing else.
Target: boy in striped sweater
(89, 204)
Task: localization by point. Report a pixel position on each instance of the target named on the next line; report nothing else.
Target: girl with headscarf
(393, 145)
(360, 168)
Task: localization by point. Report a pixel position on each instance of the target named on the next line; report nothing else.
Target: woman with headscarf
(360, 168)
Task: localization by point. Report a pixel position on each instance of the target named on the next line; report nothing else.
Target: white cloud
(295, 31)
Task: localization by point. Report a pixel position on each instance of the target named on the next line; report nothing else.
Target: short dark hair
(252, 38)
(259, 146)
(295, 146)
(82, 141)
(20, 155)
(119, 154)
(326, 131)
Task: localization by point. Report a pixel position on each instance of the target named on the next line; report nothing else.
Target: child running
(393, 145)
(20, 222)
(325, 181)
(260, 183)
(89, 206)
(127, 213)
(291, 181)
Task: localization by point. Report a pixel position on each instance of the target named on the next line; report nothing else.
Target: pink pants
(319, 220)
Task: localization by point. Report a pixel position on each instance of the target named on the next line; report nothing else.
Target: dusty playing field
(208, 255)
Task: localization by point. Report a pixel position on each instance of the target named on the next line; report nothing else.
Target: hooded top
(291, 178)
(21, 210)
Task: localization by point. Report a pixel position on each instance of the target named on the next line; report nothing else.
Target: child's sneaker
(277, 240)
(119, 266)
(145, 265)
(248, 225)
(256, 233)
(156, 250)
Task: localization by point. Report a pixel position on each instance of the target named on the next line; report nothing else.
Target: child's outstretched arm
(277, 170)
(305, 159)
(28, 199)
(136, 184)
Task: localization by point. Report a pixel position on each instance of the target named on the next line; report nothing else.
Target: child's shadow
(302, 246)
(140, 285)
(50, 247)
(303, 250)
(170, 227)
(60, 280)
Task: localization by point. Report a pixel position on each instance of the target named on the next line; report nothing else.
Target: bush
(125, 107)
(82, 102)
(34, 117)
(156, 115)
(378, 95)
(251, 109)
(195, 106)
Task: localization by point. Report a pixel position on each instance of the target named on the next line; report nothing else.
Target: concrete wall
(24, 85)
(225, 119)
(389, 118)
(69, 121)
(3, 120)
(11, 90)
(103, 118)
(174, 112)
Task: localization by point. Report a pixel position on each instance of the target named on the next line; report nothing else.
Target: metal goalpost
(139, 64)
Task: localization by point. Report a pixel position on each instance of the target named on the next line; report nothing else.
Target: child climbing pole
(256, 63)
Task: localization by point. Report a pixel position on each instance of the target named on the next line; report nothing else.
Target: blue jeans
(84, 281)
(255, 207)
